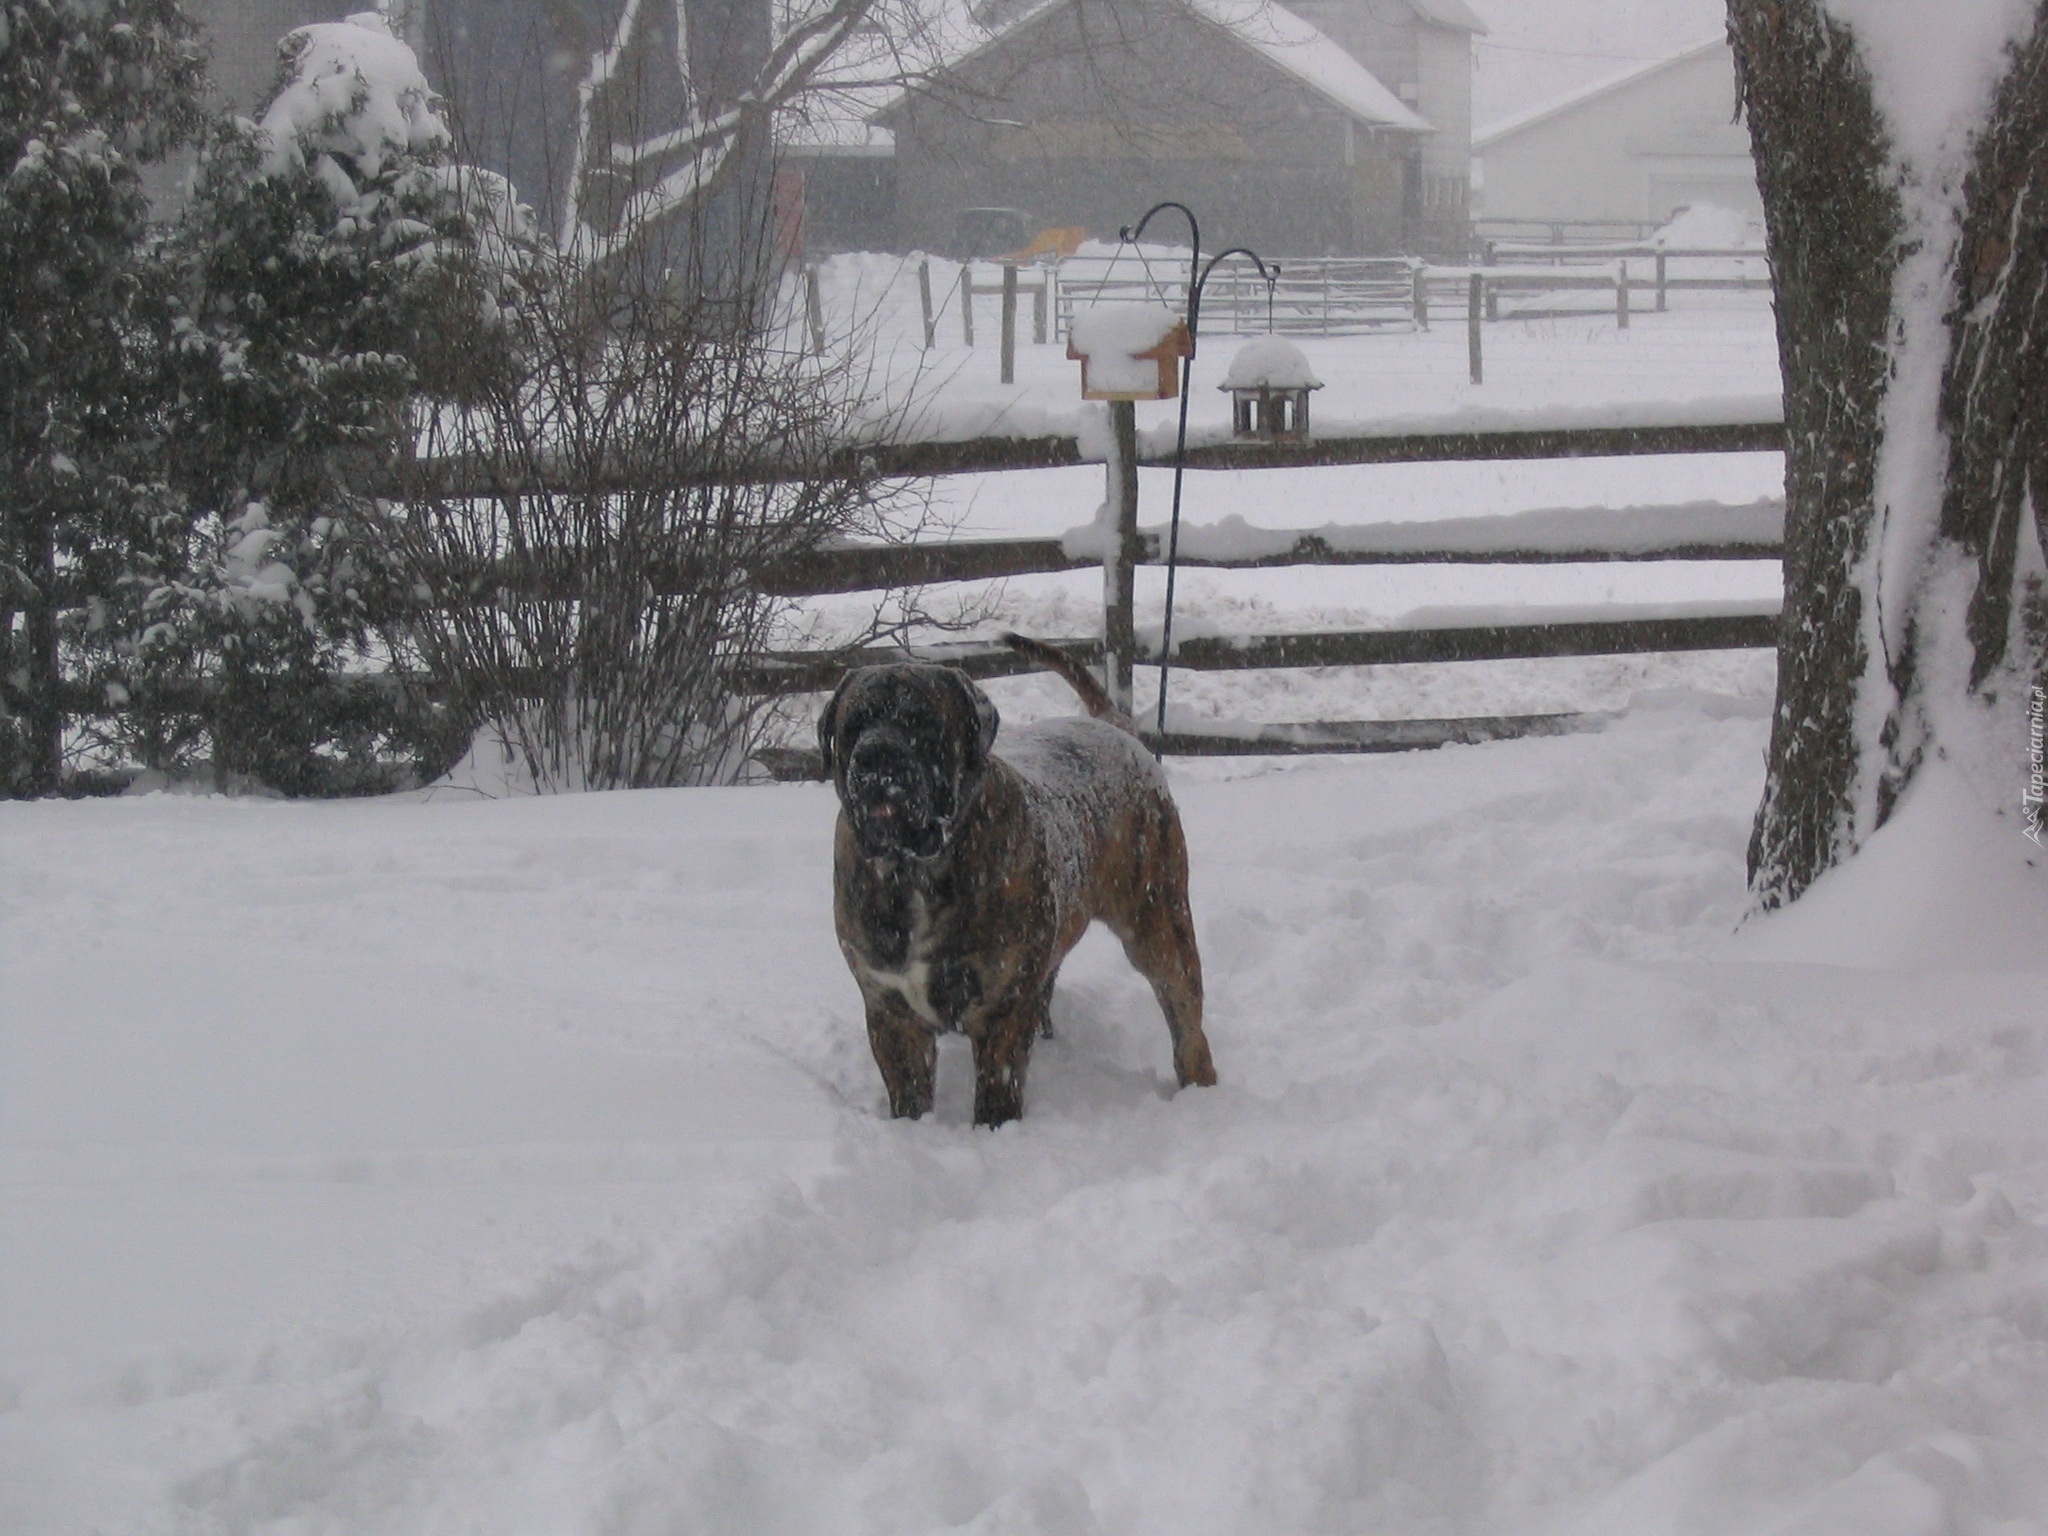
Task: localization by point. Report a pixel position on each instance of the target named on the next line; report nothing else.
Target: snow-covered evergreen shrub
(87, 94)
(329, 277)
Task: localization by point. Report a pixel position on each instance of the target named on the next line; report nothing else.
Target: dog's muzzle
(891, 798)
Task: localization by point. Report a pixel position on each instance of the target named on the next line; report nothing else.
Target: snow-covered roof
(1276, 34)
(1312, 57)
(1119, 330)
(1270, 362)
(1558, 106)
(828, 136)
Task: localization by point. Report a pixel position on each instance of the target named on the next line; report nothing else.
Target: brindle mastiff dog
(963, 875)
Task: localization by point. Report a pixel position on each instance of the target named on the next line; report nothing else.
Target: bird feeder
(1269, 383)
(1129, 351)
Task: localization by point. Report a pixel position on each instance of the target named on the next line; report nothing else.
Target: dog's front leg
(1002, 1051)
(907, 1053)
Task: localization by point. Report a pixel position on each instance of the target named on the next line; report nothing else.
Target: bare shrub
(582, 534)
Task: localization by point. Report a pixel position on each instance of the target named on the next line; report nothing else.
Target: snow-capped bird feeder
(1269, 383)
(1129, 351)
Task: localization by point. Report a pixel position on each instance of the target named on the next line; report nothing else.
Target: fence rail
(1317, 295)
(816, 671)
(1564, 231)
(1552, 536)
(456, 477)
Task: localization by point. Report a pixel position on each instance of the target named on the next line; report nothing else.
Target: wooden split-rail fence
(1119, 546)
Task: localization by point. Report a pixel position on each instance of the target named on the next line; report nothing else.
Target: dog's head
(906, 746)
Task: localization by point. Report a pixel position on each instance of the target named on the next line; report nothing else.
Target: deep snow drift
(517, 1167)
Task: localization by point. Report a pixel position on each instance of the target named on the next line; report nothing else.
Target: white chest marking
(913, 982)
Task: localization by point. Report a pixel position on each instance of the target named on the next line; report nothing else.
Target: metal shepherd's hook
(1198, 277)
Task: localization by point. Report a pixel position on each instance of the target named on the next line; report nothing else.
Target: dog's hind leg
(907, 1053)
(1160, 942)
(1163, 949)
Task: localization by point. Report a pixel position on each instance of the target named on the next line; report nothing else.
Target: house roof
(1449, 13)
(1559, 105)
(1276, 34)
(1312, 57)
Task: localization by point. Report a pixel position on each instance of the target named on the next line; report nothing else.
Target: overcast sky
(1539, 49)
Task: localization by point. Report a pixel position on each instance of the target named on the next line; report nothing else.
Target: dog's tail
(1094, 696)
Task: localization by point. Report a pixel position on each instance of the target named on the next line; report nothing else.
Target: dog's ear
(986, 722)
(828, 720)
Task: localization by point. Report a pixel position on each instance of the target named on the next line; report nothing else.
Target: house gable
(1631, 148)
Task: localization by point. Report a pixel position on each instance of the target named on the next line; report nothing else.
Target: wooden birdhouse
(1269, 383)
(1129, 351)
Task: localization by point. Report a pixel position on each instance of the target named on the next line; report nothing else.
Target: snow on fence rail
(1699, 531)
(1550, 536)
(1464, 436)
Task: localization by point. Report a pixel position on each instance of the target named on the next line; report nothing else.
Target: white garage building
(1633, 148)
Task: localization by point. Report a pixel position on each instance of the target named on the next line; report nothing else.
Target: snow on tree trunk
(1902, 152)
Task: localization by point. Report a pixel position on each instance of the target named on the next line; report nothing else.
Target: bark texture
(1833, 224)
(1847, 736)
(1994, 404)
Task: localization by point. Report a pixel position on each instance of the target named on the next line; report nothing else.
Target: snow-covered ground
(444, 1164)
(440, 1164)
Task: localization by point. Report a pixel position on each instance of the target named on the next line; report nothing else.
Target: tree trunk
(1866, 605)
(43, 714)
(31, 760)
(1994, 404)
(731, 258)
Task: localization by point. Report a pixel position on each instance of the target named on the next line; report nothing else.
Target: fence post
(1421, 297)
(967, 303)
(924, 300)
(1660, 282)
(1039, 296)
(1009, 343)
(814, 309)
(1120, 554)
(1475, 304)
(1621, 296)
